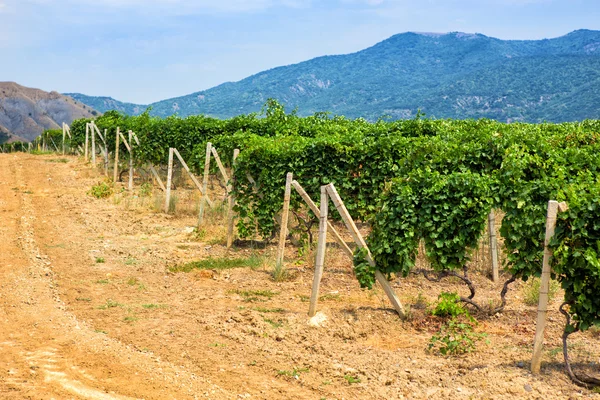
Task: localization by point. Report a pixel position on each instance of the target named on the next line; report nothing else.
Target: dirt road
(89, 310)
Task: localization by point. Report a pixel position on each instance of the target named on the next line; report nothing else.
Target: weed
(351, 379)
(304, 298)
(217, 345)
(455, 337)
(99, 260)
(145, 189)
(58, 160)
(294, 373)
(102, 281)
(448, 306)
(101, 331)
(133, 281)
(274, 324)
(130, 318)
(531, 292)
(130, 261)
(154, 306)
(254, 295)
(109, 304)
(280, 272)
(87, 299)
(268, 310)
(330, 296)
(219, 264)
(101, 190)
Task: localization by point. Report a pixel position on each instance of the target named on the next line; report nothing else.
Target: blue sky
(148, 50)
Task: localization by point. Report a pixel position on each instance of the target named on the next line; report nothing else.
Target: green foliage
(455, 337)
(449, 305)
(531, 292)
(219, 264)
(101, 190)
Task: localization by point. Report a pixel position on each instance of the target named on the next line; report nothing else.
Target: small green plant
(254, 295)
(145, 189)
(421, 302)
(86, 299)
(330, 296)
(110, 304)
(455, 337)
(217, 345)
(274, 324)
(58, 160)
(269, 310)
(130, 318)
(280, 272)
(219, 264)
(154, 306)
(294, 373)
(101, 190)
(351, 379)
(130, 261)
(103, 281)
(531, 291)
(99, 260)
(448, 306)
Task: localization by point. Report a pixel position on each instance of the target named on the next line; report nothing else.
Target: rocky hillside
(452, 75)
(26, 112)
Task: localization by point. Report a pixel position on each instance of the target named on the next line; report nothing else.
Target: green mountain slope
(104, 104)
(454, 75)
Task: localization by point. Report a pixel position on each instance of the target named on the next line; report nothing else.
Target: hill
(453, 75)
(25, 113)
(103, 104)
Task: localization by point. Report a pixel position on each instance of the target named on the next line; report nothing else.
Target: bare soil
(90, 310)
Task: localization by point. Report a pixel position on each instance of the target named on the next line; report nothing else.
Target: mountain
(452, 75)
(25, 113)
(104, 104)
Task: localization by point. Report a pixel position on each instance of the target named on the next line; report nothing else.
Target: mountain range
(25, 112)
(451, 75)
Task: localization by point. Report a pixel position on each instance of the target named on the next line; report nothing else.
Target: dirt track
(89, 310)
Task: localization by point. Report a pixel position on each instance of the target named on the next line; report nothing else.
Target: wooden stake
(284, 218)
(116, 169)
(192, 176)
(130, 187)
(160, 183)
(87, 135)
(230, 213)
(358, 239)
(540, 326)
(105, 154)
(93, 133)
(169, 181)
(321, 248)
(63, 137)
(316, 211)
(493, 245)
(204, 198)
(220, 165)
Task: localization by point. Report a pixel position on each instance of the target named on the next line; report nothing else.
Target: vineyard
(417, 188)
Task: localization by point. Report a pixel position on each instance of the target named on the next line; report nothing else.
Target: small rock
(521, 364)
(527, 387)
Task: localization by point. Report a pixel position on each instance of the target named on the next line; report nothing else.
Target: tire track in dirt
(45, 351)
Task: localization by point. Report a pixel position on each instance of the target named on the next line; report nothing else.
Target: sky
(142, 51)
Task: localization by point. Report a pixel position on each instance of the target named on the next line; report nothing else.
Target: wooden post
(64, 134)
(493, 245)
(116, 169)
(205, 183)
(192, 176)
(315, 210)
(230, 213)
(130, 187)
(220, 165)
(321, 248)
(105, 153)
(93, 133)
(284, 218)
(87, 134)
(540, 326)
(169, 181)
(160, 182)
(339, 205)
